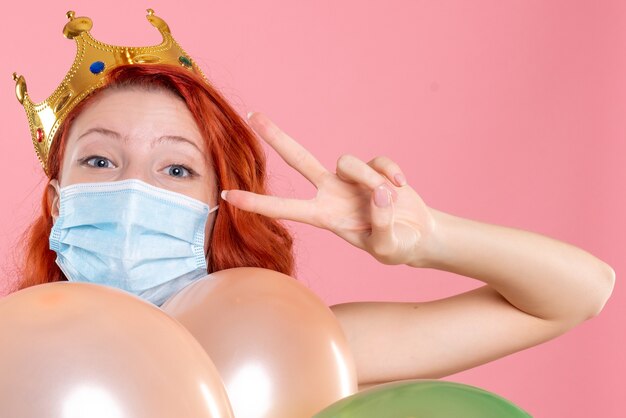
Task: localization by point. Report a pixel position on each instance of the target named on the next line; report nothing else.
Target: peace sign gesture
(367, 204)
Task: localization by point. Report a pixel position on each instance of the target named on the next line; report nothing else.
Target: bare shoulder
(392, 340)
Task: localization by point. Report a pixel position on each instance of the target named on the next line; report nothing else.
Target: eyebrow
(161, 139)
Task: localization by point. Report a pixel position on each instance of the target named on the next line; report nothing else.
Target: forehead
(140, 113)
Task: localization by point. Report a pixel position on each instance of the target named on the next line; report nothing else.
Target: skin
(536, 287)
(115, 129)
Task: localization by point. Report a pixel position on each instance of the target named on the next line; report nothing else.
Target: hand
(350, 202)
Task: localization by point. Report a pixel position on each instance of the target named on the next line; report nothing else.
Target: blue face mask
(132, 236)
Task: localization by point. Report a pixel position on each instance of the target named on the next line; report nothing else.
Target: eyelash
(84, 161)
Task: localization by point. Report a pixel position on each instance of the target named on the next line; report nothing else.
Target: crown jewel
(93, 61)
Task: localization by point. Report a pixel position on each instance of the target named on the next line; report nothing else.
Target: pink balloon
(75, 350)
(279, 349)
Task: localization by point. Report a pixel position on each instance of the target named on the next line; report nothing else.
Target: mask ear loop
(214, 209)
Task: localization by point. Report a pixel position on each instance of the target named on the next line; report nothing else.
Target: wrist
(431, 248)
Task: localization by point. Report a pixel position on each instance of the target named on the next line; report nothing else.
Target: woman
(162, 133)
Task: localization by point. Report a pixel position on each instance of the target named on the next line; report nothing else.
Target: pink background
(508, 112)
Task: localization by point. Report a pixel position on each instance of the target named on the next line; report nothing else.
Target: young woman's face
(138, 134)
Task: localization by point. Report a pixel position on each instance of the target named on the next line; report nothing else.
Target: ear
(53, 198)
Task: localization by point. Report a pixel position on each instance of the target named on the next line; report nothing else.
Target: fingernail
(248, 115)
(382, 197)
(400, 179)
(223, 194)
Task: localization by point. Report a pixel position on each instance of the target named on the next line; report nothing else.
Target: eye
(97, 162)
(179, 170)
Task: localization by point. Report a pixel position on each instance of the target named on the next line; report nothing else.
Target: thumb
(383, 243)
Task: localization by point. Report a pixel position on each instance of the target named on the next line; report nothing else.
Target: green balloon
(423, 399)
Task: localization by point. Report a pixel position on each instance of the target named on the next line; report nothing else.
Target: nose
(140, 171)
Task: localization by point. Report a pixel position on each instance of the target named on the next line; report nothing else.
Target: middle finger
(291, 151)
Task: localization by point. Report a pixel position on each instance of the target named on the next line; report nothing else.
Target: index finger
(289, 150)
(272, 206)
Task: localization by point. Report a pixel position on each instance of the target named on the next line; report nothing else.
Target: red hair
(239, 238)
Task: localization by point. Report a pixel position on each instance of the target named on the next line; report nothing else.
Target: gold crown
(93, 61)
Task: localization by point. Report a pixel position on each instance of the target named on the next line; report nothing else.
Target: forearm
(539, 275)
